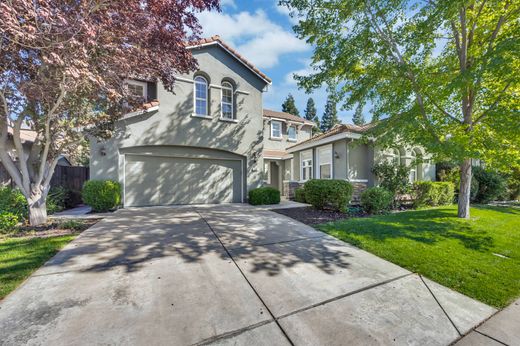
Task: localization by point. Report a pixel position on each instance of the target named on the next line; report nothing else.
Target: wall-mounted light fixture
(336, 155)
(103, 151)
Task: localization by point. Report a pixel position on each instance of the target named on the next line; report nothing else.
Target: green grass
(20, 257)
(454, 252)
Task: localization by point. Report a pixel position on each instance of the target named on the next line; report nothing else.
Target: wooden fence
(67, 176)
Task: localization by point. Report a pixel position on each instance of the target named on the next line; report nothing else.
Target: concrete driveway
(226, 275)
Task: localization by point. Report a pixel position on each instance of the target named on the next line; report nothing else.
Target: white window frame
(302, 167)
(414, 172)
(327, 161)
(195, 98)
(226, 86)
(139, 83)
(295, 133)
(281, 128)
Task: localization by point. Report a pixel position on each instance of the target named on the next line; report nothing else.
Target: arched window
(394, 156)
(413, 166)
(201, 96)
(227, 101)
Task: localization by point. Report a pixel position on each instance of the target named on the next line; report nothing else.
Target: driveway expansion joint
(232, 334)
(247, 280)
(489, 337)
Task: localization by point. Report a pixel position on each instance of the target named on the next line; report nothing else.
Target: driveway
(226, 275)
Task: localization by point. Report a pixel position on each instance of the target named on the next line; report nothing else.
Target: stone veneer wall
(288, 188)
(358, 189)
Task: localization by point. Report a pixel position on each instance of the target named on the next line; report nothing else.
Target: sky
(261, 31)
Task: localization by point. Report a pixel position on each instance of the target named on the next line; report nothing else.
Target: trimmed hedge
(299, 195)
(328, 193)
(102, 195)
(491, 185)
(264, 195)
(375, 200)
(433, 193)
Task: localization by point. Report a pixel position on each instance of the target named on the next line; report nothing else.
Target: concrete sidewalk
(501, 329)
(227, 275)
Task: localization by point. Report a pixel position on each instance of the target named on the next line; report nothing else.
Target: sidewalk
(501, 329)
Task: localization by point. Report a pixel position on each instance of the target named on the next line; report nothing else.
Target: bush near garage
(12, 201)
(328, 193)
(376, 200)
(102, 195)
(264, 195)
(433, 193)
(299, 195)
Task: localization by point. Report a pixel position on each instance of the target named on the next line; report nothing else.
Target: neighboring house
(281, 131)
(337, 155)
(27, 138)
(201, 144)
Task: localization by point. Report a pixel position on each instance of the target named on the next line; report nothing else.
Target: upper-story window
(291, 133)
(137, 88)
(276, 129)
(201, 96)
(227, 101)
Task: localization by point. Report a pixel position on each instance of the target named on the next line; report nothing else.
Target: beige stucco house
(340, 154)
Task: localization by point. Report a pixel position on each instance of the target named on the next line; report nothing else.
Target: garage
(165, 180)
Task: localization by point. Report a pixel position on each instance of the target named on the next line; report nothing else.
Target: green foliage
(264, 195)
(299, 195)
(330, 116)
(433, 193)
(8, 221)
(311, 114)
(328, 193)
(76, 225)
(491, 185)
(102, 195)
(56, 199)
(12, 201)
(358, 118)
(393, 177)
(375, 200)
(289, 106)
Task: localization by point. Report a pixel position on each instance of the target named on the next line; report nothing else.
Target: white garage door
(156, 180)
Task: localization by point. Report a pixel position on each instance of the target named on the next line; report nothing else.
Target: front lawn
(479, 257)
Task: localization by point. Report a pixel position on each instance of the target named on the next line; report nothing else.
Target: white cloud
(254, 35)
(230, 3)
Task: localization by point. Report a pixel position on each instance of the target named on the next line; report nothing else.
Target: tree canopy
(330, 116)
(62, 70)
(358, 118)
(289, 106)
(311, 114)
(442, 73)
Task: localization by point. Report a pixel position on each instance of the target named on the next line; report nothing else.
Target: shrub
(430, 193)
(102, 195)
(264, 195)
(12, 201)
(491, 185)
(76, 225)
(322, 193)
(8, 221)
(375, 200)
(56, 199)
(393, 177)
(299, 195)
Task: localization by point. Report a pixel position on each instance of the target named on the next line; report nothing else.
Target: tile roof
(26, 135)
(286, 116)
(340, 128)
(267, 153)
(217, 40)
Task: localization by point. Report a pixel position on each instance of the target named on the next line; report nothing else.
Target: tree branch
(22, 160)
(486, 112)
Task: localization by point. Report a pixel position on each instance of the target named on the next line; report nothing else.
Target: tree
(62, 71)
(440, 72)
(289, 106)
(330, 117)
(311, 115)
(358, 118)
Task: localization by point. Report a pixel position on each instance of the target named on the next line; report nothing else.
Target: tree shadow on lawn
(424, 226)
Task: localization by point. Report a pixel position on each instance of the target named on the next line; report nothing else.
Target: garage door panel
(152, 180)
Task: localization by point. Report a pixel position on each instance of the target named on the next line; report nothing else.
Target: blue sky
(262, 32)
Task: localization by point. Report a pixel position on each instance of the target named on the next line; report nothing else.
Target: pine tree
(358, 118)
(289, 106)
(330, 116)
(310, 114)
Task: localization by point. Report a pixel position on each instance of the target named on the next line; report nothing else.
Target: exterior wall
(174, 125)
(302, 133)
(359, 161)
(340, 159)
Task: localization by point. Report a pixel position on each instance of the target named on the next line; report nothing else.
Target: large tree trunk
(38, 211)
(465, 189)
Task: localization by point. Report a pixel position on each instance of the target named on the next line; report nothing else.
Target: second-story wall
(302, 133)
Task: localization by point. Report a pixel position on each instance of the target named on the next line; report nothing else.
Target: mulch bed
(311, 216)
(53, 229)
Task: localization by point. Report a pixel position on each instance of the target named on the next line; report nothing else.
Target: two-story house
(204, 143)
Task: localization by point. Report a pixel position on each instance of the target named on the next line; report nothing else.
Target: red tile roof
(340, 128)
(217, 40)
(286, 116)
